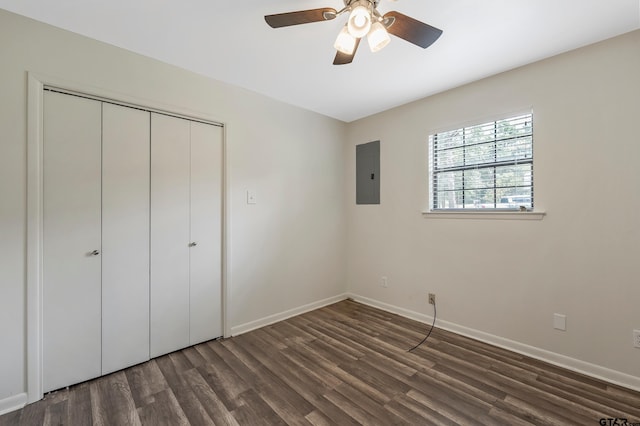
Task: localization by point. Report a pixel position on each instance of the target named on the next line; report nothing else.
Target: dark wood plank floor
(344, 364)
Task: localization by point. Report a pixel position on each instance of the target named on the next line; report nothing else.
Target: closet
(132, 226)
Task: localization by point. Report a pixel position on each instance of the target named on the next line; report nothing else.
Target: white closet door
(71, 240)
(125, 237)
(170, 163)
(206, 232)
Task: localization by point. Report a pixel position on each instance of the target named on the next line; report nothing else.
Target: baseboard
(576, 365)
(13, 403)
(253, 325)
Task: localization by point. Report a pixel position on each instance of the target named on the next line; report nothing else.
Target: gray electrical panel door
(368, 173)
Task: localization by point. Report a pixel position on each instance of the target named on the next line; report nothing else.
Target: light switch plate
(251, 197)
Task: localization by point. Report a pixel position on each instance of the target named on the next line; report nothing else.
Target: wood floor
(344, 364)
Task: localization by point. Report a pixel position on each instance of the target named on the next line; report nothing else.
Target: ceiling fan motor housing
(374, 3)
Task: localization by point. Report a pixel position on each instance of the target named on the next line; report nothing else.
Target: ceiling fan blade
(343, 58)
(300, 17)
(411, 30)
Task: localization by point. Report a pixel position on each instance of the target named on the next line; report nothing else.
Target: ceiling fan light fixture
(364, 20)
(378, 37)
(345, 43)
(359, 22)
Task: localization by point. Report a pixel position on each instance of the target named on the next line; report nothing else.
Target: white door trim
(35, 215)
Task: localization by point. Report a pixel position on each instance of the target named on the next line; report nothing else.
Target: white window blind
(486, 166)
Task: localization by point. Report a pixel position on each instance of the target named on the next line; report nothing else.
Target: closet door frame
(36, 85)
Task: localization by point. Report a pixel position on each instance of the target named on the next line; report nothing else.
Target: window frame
(464, 129)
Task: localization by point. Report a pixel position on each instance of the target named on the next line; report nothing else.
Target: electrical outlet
(432, 298)
(636, 338)
(560, 322)
(383, 282)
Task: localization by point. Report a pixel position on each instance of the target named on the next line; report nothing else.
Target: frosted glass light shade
(378, 37)
(359, 22)
(345, 42)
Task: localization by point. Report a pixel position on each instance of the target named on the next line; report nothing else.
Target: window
(487, 166)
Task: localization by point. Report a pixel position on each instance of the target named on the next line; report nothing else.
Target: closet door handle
(95, 253)
(193, 244)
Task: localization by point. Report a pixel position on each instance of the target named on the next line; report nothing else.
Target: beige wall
(508, 277)
(286, 251)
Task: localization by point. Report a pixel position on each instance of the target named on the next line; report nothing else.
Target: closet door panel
(71, 283)
(206, 232)
(125, 237)
(169, 234)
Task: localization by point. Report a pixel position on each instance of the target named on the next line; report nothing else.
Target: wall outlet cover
(560, 322)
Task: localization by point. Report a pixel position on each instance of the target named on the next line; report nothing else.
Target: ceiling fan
(364, 20)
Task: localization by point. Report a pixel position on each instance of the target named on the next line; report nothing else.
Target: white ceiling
(230, 41)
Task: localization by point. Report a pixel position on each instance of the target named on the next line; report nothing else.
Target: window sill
(484, 215)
